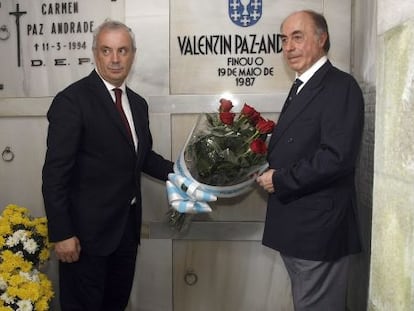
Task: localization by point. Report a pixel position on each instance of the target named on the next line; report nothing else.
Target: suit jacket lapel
(108, 104)
(137, 116)
(299, 103)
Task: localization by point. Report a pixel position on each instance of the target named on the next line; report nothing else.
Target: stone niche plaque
(233, 46)
(48, 44)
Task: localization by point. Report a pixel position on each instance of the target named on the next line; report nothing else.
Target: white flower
(16, 238)
(20, 254)
(21, 235)
(30, 246)
(32, 276)
(24, 305)
(3, 284)
(6, 298)
(12, 241)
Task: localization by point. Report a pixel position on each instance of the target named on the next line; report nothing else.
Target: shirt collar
(305, 77)
(110, 87)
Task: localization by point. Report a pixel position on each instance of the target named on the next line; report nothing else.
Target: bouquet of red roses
(225, 151)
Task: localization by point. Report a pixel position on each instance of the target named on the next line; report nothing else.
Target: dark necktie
(118, 105)
(292, 93)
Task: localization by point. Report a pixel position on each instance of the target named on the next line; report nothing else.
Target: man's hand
(265, 180)
(68, 250)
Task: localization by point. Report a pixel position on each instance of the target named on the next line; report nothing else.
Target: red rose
(255, 117)
(248, 110)
(265, 126)
(225, 105)
(258, 146)
(227, 117)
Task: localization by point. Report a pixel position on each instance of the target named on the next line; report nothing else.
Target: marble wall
(392, 265)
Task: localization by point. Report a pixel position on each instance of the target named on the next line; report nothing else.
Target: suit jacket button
(290, 140)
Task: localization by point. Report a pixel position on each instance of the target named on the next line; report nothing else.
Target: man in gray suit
(311, 213)
(96, 151)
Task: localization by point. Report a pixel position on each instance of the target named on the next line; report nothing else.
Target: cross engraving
(18, 14)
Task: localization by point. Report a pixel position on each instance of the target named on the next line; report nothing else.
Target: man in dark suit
(311, 213)
(91, 176)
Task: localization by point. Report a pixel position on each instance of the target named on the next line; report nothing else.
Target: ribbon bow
(185, 195)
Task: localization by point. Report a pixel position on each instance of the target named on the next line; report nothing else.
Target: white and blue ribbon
(185, 197)
(191, 188)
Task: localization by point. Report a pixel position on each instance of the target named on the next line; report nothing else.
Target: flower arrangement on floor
(221, 157)
(24, 247)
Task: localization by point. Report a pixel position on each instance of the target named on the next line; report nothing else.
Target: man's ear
(322, 39)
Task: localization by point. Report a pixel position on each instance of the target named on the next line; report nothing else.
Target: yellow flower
(4, 226)
(41, 226)
(15, 282)
(44, 255)
(11, 261)
(30, 291)
(41, 305)
(17, 219)
(24, 245)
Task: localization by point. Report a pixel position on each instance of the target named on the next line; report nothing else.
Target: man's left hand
(265, 181)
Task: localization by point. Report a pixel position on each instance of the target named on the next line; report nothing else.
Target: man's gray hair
(113, 25)
(321, 27)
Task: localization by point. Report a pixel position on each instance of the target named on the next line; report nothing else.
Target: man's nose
(115, 57)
